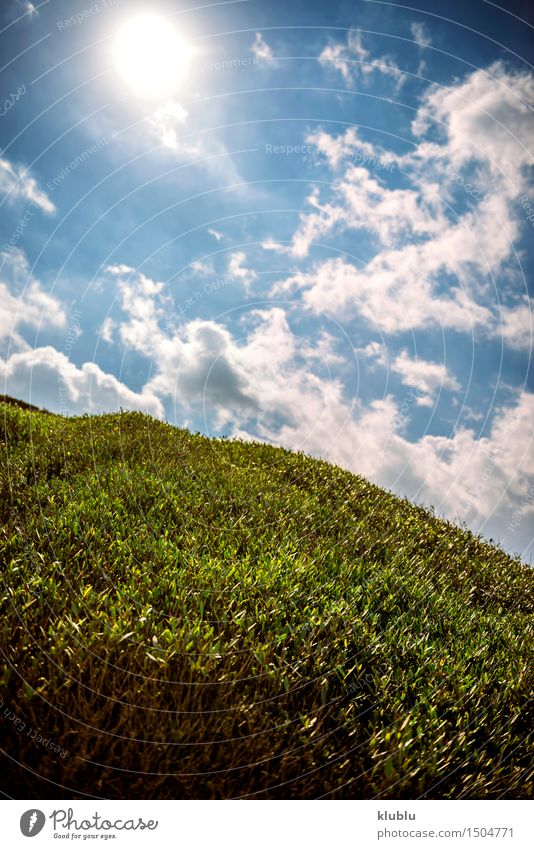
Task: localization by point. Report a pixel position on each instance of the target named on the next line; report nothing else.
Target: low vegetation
(185, 617)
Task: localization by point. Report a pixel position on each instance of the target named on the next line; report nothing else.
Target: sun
(151, 56)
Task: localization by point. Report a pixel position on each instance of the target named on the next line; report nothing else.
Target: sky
(309, 224)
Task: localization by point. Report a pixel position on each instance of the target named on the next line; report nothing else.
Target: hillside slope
(185, 617)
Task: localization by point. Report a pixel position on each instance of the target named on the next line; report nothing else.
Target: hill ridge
(164, 592)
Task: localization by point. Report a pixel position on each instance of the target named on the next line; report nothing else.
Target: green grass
(185, 617)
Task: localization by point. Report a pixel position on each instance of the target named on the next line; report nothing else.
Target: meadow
(186, 617)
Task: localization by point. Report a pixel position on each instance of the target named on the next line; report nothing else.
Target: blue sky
(318, 235)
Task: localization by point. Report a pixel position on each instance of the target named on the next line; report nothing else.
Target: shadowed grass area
(185, 617)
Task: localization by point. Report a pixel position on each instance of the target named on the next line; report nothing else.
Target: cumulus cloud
(16, 183)
(265, 382)
(516, 325)
(47, 378)
(199, 364)
(312, 228)
(424, 375)
(479, 480)
(203, 367)
(485, 118)
(239, 271)
(434, 262)
(390, 293)
(119, 269)
(324, 350)
(45, 375)
(138, 297)
(376, 352)
(484, 481)
(107, 329)
(24, 301)
(426, 235)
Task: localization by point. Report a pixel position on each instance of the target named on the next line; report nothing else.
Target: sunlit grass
(188, 617)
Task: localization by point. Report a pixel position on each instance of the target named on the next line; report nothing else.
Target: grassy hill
(185, 617)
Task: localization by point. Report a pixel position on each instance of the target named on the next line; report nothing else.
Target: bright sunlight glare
(151, 55)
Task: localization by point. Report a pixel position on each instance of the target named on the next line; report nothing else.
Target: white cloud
(374, 351)
(478, 480)
(312, 228)
(164, 121)
(24, 302)
(426, 234)
(390, 293)
(390, 213)
(119, 269)
(261, 384)
(204, 368)
(44, 375)
(349, 147)
(47, 378)
(215, 233)
(483, 481)
(16, 183)
(342, 57)
(516, 325)
(30, 10)
(107, 329)
(424, 375)
(353, 61)
(323, 350)
(138, 296)
(362, 200)
(239, 271)
(202, 268)
(433, 266)
(261, 50)
(167, 124)
(487, 118)
(420, 34)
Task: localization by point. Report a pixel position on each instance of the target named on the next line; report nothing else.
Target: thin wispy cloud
(16, 183)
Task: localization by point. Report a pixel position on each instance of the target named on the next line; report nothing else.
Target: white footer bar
(270, 824)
